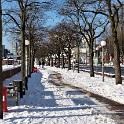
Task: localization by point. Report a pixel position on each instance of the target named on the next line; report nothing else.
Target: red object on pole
(4, 91)
(35, 69)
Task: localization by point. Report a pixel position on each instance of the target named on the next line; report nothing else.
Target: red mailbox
(4, 91)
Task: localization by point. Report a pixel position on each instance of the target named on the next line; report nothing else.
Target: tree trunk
(117, 64)
(112, 18)
(78, 55)
(62, 60)
(58, 65)
(30, 55)
(55, 60)
(32, 61)
(26, 67)
(51, 61)
(69, 58)
(23, 51)
(1, 79)
(48, 60)
(23, 60)
(91, 61)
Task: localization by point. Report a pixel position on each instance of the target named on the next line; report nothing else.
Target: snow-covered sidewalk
(45, 103)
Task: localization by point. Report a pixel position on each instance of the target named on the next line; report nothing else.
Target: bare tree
(86, 24)
(34, 30)
(20, 15)
(110, 9)
(114, 19)
(120, 31)
(19, 19)
(62, 38)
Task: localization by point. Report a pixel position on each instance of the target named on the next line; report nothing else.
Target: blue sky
(53, 19)
(7, 43)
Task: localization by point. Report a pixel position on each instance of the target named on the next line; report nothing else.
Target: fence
(12, 71)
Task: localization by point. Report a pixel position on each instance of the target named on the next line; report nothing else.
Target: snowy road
(46, 103)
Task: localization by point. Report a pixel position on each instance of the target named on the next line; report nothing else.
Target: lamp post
(26, 63)
(103, 43)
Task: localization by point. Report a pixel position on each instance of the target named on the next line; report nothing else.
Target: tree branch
(13, 19)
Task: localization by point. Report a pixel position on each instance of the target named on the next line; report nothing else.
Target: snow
(83, 80)
(8, 67)
(45, 103)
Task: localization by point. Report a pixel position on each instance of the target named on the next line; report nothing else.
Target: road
(109, 70)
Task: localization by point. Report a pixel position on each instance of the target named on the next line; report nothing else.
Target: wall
(11, 72)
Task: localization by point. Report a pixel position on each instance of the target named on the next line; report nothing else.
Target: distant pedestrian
(39, 63)
(43, 63)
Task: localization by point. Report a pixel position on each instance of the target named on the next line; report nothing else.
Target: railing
(10, 72)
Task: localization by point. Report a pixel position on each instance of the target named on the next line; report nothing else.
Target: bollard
(21, 91)
(4, 92)
(35, 69)
(26, 83)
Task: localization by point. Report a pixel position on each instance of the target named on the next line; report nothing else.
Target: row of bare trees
(90, 19)
(22, 20)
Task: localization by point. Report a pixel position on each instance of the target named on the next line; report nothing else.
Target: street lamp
(103, 43)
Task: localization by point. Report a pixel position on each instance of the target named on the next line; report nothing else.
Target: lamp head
(26, 42)
(103, 43)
